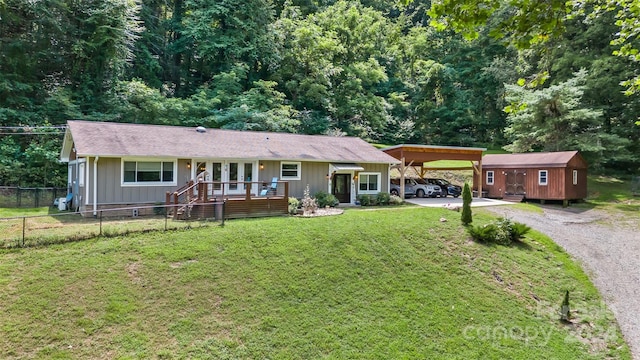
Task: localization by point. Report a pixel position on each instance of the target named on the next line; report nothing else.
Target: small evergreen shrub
(518, 231)
(366, 200)
(502, 231)
(483, 233)
(324, 199)
(395, 200)
(466, 216)
(293, 205)
(383, 198)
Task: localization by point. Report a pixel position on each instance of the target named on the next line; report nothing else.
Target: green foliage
(554, 119)
(502, 231)
(483, 233)
(380, 198)
(324, 199)
(517, 231)
(366, 200)
(294, 204)
(466, 216)
(527, 22)
(383, 198)
(370, 69)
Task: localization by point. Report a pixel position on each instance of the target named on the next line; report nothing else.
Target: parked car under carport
(446, 187)
(394, 189)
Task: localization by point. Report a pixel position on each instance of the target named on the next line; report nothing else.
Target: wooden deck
(209, 200)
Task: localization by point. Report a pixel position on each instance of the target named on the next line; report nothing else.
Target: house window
(542, 177)
(489, 177)
(148, 172)
(81, 175)
(290, 170)
(369, 183)
(575, 177)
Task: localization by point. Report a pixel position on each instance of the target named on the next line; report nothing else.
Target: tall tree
(224, 34)
(530, 22)
(554, 119)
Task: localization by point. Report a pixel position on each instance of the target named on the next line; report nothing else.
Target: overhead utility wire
(30, 130)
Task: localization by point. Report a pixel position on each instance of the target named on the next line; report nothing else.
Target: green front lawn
(386, 284)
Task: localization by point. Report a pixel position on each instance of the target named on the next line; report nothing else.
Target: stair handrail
(193, 185)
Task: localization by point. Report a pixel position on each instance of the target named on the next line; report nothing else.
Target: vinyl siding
(110, 190)
(315, 174)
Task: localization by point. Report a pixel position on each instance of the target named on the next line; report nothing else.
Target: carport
(416, 156)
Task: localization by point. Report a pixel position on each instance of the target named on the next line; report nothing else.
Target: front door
(342, 187)
(515, 182)
(209, 171)
(240, 176)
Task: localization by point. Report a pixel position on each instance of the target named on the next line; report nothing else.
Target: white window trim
(493, 177)
(546, 177)
(297, 177)
(369, 192)
(575, 177)
(81, 174)
(149, 183)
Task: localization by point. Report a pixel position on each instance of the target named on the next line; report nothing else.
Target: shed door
(341, 187)
(515, 180)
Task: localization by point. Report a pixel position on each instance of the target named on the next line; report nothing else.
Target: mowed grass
(387, 284)
(22, 227)
(15, 212)
(612, 191)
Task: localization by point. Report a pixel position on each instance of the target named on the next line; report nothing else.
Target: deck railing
(244, 198)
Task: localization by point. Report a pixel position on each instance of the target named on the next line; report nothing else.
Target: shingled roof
(107, 139)
(543, 159)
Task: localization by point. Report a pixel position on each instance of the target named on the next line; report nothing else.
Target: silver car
(394, 189)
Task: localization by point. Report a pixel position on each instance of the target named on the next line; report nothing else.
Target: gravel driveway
(609, 249)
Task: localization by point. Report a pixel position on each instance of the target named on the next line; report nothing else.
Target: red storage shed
(542, 176)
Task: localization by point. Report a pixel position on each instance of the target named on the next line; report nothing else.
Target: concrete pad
(450, 201)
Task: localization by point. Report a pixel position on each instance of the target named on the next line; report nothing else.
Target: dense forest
(383, 70)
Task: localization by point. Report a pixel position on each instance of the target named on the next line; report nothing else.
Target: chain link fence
(61, 227)
(19, 197)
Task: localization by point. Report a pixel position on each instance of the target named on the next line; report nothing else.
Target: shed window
(489, 177)
(148, 172)
(575, 177)
(542, 177)
(369, 183)
(290, 170)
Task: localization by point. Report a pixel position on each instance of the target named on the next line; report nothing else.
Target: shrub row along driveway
(609, 248)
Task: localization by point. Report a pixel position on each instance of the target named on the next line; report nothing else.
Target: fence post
(100, 223)
(24, 226)
(166, 215)
(224, 211)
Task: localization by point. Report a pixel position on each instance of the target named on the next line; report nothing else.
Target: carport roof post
(409, 154)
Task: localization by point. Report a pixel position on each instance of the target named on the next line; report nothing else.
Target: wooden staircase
(513, 198)
(207, 200)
